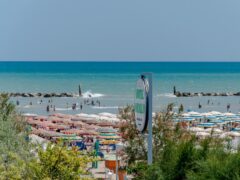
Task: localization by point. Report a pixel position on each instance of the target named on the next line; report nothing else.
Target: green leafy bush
(178, 155)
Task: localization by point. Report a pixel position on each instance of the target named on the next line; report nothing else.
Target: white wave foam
(63, 109)
(89, 94)
(170, 95)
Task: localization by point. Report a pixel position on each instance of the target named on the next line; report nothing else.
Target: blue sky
(156, 30)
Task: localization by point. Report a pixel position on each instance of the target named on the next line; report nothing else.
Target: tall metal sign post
(143, 108)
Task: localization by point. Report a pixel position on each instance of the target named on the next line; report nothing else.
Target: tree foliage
(14, 149)
(60, 162)
(19, 159)
(177, 154)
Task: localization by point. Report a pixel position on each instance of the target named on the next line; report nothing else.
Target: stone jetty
(192, 94)
(43, 95)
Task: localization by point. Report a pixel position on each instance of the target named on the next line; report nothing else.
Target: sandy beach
(84, 130)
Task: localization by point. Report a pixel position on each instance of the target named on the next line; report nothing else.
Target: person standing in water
(208, 102)
(199, 106)
(47, 108)
(228, 107)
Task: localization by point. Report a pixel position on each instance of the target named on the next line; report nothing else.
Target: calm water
(114, 83)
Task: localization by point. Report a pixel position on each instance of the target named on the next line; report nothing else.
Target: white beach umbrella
(203, 134)
(82, 115)
(230, 134)
(94, 116)
(233, 133)
(215, 130)
(215, 113)
(196, 129)
(207, 114)
(185, 114)
(109, 119)
(87, 116)
(194, 113)
(106, 114)
(229, 114)
(224, 135)
(37, 140)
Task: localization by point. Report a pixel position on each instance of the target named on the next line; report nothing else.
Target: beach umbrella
(106, 114)
(188, 119)
(46, 133)
(92, 121)
(107, 130)
(107, 134)
(233, 133)
(215, 130)
(193, 113)
(80, 132)
(106, 142)
(229, 114)
(217, 121)
(78, 123)
(94, 116)
(91, 127)
(203, 134)
(37, 140)
(185, 114)
(58, 126)
(47, 124)
(215, 113)
(40, 118)
(236, 129)
(109, 137)
(88, 132)
(60, 115)
(109, 119)
(105, 124)
(224, 135)
(207, 125)
(196, 129)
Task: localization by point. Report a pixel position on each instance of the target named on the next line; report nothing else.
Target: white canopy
(215, 130)
(196, 129)
(202, 134)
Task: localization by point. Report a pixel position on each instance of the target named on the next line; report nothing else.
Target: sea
(113, 85)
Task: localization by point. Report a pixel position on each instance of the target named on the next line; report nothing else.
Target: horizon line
(125, 61)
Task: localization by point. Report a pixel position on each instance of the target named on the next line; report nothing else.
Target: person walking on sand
(81, 106)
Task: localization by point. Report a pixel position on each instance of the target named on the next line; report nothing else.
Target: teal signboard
(140, 105)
